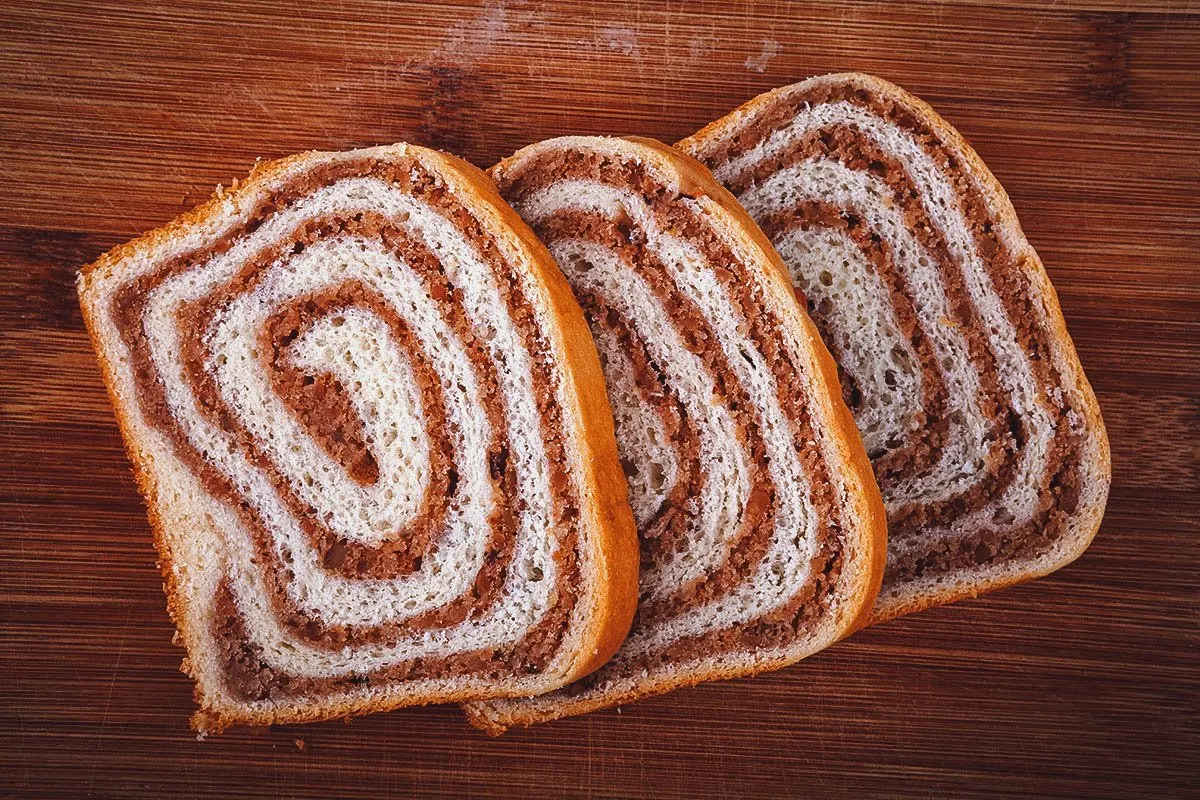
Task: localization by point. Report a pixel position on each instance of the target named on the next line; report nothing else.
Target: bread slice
(371, 429)
(984, 434)
(762, 529)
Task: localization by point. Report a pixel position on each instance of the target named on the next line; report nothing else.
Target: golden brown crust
(1087, 522)
(611, 534)
(865, 554)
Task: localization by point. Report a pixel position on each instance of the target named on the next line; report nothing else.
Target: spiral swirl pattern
(362, 388)
(748, 511)
(984, 435)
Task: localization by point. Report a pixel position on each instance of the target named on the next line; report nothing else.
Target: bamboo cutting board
(114, 119)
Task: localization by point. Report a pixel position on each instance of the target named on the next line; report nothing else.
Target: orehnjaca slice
(761, 525)
(371, 430)
(985, 436)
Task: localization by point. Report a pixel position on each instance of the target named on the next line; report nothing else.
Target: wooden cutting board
(114, 119)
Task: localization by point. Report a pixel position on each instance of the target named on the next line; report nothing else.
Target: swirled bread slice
(761, 526)
(371, 429)
(985, 437)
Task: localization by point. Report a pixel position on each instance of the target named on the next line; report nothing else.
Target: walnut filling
(663, 532)
(403, 550)
(747, 546)
(845, 144)
(251, 677)
(1008, 435)
(905, 458)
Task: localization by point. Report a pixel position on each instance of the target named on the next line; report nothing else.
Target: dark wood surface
(114, 119)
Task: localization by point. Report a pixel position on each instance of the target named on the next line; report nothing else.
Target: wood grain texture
(115, 118)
